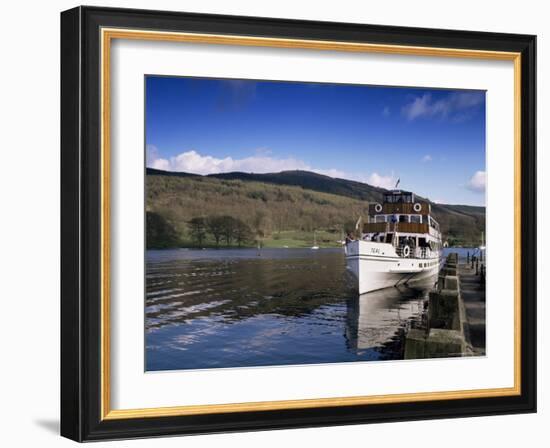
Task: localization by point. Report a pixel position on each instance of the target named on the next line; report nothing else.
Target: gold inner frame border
(107, 35)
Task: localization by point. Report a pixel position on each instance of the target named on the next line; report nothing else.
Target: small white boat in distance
(482, 247)
(314, 247)
(400, 244)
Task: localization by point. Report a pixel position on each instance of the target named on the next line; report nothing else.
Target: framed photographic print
(275, 224)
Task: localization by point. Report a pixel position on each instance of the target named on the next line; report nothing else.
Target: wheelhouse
(399, 197)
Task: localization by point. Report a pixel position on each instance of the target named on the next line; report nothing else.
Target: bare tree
(197, 229)
(228, 228)
(215, 225)
(262, 227)
(242, 232)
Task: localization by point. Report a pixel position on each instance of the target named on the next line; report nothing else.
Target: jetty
(454, 324)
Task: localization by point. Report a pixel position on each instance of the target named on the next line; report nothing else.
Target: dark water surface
(233, 308)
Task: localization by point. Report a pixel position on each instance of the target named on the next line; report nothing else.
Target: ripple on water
(210, 308)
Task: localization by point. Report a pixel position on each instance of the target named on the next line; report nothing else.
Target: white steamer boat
(400, 244)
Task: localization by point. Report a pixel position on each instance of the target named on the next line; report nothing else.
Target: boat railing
(403, 227)
(406, 251)
(422, 252)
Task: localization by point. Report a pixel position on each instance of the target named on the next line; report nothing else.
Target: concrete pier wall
(446, 333)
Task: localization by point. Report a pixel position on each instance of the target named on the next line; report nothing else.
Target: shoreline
(221, 248)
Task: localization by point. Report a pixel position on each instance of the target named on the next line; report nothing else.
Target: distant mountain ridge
(462, 223)
(313, 181)
(297, 178)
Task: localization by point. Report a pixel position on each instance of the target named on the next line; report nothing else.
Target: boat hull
(382, 268)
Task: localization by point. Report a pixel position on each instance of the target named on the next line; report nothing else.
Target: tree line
(223, 229)
(204, 230)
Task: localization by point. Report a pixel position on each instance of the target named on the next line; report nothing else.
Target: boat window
(416, 219)
(434, 224)
(399, 197)
(380, 218)
(389, 238)
(402, 218)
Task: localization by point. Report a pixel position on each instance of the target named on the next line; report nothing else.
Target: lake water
(235, 308)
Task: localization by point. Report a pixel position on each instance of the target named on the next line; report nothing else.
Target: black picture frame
(81, 224)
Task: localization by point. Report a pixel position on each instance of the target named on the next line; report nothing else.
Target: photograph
(295, 223)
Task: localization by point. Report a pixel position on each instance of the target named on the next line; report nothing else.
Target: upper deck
(398, 201)
(401, 211)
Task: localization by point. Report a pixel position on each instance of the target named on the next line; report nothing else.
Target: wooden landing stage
(455, 321)
(472, 289)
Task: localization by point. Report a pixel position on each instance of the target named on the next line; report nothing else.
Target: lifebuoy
(406, 251)
(417, 207)
(378, 208)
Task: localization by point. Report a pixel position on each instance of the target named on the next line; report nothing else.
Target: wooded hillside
(279, 209)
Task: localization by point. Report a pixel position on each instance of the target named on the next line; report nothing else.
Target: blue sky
(432, 139)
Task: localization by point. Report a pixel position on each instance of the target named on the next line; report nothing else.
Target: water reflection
(374, 318)
(217, 308)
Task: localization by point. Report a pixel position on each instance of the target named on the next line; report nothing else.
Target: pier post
(443, 308)
(444, 343)
(415, 344)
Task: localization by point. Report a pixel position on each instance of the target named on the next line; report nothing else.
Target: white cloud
(193, 162)
(262, 162)
(456, 105)
(420, 106)
(160, 164)
(151, 154)
(427, 158)
(477, 182)
(378, 180)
